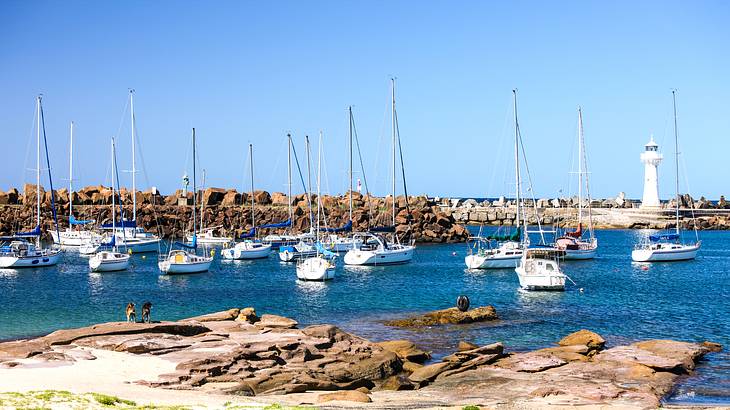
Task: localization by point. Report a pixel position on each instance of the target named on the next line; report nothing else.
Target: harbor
(306, 205)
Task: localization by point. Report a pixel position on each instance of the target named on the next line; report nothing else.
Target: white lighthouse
(651, 159)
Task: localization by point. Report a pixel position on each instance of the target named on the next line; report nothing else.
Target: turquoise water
(621, 301)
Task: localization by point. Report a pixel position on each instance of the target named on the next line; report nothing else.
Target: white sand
(112, 373)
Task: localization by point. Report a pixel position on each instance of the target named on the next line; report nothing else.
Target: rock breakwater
(229, 212)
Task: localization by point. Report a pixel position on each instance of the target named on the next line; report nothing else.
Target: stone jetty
(229, 211)
(241, 357)
(618, 212)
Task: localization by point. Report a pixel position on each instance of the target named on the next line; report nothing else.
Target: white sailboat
(333, 241)
(538, 269)
(669, 246)
(186, 260)
(17, 251)
(70, 236)
(321, 266)
(249, 248)
(111, 260)
(278, 240)
(207, 235)
(573, 244)
(304, 247)
(374, 249)
(508, 250)
(127, 233)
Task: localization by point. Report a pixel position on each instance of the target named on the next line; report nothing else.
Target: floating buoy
(144, 256)
(129, 251)
(580, 290)
(644, 268)
(212, 253)
(462, 303)
(453, 253)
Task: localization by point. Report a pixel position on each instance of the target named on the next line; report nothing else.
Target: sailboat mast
(134, 152)
(392, 80)
(38, 169)
(114, 201)
(195, 187)
(253, 213)
(319, 180)
(71, 173)
(288, 163)
(349, 109)
(202, 203)
(309, 183)
(517, 163)
(676, 161)
(580, 167)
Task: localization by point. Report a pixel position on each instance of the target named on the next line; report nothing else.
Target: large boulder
(213, 196)
(275, 321)
(583, 337)
(262, 198)
(405, 350)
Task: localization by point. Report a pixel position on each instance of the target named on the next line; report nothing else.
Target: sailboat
(71, 236)
(341, 243)
(483, 254)
(304, 247)
(249, 249)
(539, 268)
(669, 246)
(17, 251)
(185, 259)
(374, 248)
(321, 266)
(573, 244)
(127, 233)
(111, 260)
(285, 239)
(207, 235)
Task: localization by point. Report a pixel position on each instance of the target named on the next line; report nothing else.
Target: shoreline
(197, 361)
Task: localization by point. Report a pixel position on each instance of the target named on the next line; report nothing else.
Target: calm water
(621, 301)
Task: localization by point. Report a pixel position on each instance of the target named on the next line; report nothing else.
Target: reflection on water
(622, 301)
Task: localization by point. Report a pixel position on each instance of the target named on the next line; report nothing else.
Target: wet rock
(447, 316)
(712, 346)
(354, 396)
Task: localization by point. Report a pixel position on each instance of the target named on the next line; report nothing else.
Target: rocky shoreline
(229, 212)
(240, 357)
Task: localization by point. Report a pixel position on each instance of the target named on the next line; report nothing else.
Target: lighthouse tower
(651, 159)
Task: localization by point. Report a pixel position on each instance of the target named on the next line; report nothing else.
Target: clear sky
(245, 72)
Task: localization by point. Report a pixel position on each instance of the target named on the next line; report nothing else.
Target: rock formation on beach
(238, 353)
(229, 212)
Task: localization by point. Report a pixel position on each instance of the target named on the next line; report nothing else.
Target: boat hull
(34, 261)
(492, 262)
(315, 269)
(379, 257)
(237, 253)
(139, 245)
(73, 238)
(119, 262)
(665, 255)
(171, 268)
(579, 254)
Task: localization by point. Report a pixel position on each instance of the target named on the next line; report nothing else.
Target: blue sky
(245, 72)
